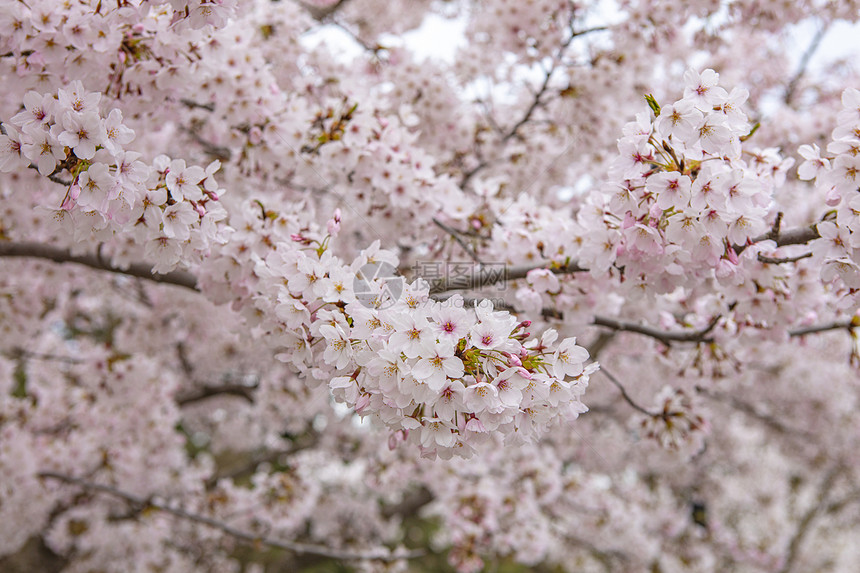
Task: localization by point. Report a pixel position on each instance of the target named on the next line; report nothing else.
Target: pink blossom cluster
(838, 175)
(683, 191)
(170, 207)
(438, 374)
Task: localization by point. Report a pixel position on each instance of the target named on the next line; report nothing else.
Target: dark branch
(300, 548)
(799, 236)
(322, 13)
(779, 261)
(663, 336)
(492, 274)
(196, 105)
(624, 393)
(58, 255)
(17, 353)
(843, 325)
(240, 390)
(220, 152)
(250, 466)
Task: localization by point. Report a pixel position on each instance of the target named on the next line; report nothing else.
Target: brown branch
(666, 337)
(491, 274)
(778, 261)
(58, 255)
(300, 548)
(240, 390)
(196, 105)
(799, 236)
(845, 325)
(53, 176)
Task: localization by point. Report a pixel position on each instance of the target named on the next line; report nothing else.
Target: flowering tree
(265, 307)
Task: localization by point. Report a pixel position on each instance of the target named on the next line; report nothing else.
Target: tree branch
(58, 255)
(456, 236)
(240, 390)
(300, 548)
(490, 274)
(799, 236)
(843, 325)
(624, 393)
(804, 526)
(804, 64)
(663, 336)
(322, 13)
(779, 261)
(751, 411)
(266, 457)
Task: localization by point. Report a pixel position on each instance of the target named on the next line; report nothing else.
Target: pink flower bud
(629, 221)
(475, 425)
(362, 403)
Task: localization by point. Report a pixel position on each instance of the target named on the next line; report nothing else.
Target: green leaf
(652, 103)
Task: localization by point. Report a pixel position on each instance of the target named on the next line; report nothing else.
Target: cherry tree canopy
(583, 297)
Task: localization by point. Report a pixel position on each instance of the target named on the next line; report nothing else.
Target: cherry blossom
(577, 290)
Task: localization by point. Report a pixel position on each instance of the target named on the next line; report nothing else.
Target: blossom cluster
(170, 207)
(838, 175)
(439, 374)
(682, 193)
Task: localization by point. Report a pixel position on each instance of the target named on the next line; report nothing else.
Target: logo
(376, 285)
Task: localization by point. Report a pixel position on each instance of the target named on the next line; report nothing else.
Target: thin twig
(456, 236)
(220, 152)
(624, 393)
(320, 13)
(300, 548)
(58, 255)
(753, 412)
(778, 261)
(804, 526)
(804, 64)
